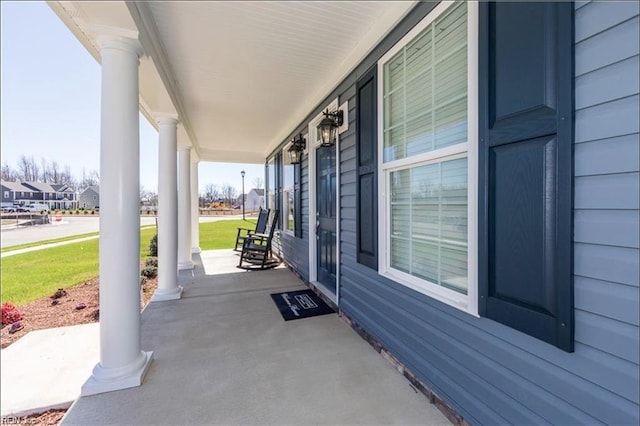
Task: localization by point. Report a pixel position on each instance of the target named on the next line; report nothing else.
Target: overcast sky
(50, 101)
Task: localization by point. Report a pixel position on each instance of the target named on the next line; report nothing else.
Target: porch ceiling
(241, 75)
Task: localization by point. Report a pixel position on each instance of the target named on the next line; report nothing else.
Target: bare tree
(211, 192)
(54, 172)
(28, 169)
(229, 194)
(89, 178)
(8, 173)
(258, 182)
(44, 168)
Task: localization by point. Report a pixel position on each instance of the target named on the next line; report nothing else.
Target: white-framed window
(6, 194)
(288, 193)
(427, 145)
(271, 183)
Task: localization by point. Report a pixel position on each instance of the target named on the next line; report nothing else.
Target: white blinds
(429, 223)
(425, 89)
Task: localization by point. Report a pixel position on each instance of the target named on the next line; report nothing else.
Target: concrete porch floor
(224, 355)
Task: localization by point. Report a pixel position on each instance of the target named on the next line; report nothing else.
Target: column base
(183, 266)
(196, 250)
(162, 295)
(95, 385)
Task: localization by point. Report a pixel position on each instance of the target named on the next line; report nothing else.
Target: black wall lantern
(329, 125)
(298, 144)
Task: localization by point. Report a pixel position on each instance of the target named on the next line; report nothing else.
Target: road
(70, 226)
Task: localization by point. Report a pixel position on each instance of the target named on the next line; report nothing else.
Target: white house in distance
(473, 207)
(253, 200)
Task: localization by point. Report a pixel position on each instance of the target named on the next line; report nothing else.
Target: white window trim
(468, 302)
(285, 224)
(312, 145)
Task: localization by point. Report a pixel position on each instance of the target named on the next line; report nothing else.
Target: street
(73, 225)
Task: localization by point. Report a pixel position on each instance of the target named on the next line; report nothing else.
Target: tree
(28, 169)
(211, 192)
(8, 173)
(258, 182)
(229, 194)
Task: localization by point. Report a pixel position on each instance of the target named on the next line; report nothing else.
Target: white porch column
(168, 288)
(184, 208)
(122, 362)
(195, 209)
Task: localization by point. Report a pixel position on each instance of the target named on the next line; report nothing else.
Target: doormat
(300, 304)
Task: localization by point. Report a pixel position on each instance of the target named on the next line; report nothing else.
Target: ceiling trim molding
(150, 40)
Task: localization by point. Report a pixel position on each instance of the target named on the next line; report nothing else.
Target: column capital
(184, 148)
(117, 38)
(166, 118)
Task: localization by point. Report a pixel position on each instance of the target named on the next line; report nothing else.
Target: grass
(30, 276)
(39, 243)
(222, 234)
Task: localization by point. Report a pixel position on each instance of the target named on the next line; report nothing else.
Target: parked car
(9, 208)
(35, 208)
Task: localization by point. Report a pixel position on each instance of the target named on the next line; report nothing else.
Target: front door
(326, 216)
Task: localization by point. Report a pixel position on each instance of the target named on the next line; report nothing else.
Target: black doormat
(300, 304)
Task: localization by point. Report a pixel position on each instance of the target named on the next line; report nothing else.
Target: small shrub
(153, 246)
(151, 261)
(64, 212)
(10, 314)
(86, 212)
(149, 272)
(93, 212)
(143, 280)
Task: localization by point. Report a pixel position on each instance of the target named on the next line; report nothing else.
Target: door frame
(313, 145)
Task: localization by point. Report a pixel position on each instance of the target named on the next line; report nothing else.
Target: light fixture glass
(329, 125)
(296, 149)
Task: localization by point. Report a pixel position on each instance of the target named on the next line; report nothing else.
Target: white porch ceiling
(241, 75)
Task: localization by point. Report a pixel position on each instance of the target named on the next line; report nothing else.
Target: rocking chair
(261, 227)
(256, 248)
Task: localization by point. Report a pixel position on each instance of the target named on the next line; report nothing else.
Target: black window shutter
(367, 166)
(526, 168)
(297, 200)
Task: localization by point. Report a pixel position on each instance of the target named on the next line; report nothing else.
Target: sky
(50, 102)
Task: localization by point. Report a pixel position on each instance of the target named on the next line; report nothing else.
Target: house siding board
(608, 47)
(607, 227)
(606, 156)
(611, 300)
(490, 373)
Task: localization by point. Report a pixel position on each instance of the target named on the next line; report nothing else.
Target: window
(6, 194)
(271, 183)
(427, 117)
(288, 193)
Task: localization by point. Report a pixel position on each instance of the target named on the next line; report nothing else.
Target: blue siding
(490, 373)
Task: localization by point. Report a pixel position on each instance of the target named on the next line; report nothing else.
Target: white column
(168, 288)
(195, 210)
(184, 208)
(122, 362)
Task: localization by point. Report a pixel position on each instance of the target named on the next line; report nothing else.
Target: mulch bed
(60, 310)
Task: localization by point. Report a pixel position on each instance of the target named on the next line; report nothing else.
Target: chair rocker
(256, 248)
(261, 227)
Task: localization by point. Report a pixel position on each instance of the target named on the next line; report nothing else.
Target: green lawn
(30, 276)
(39, 243)
(222, 234)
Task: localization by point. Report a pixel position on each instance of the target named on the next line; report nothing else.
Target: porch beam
(168, 288)
(184, 208)
(122, 362)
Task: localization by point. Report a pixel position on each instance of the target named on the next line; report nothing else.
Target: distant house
(89, 198)
(253, 200)
(42, 191)
(17, 192)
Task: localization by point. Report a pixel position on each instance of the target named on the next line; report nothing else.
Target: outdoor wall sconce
(329, 125)
(298, 145)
